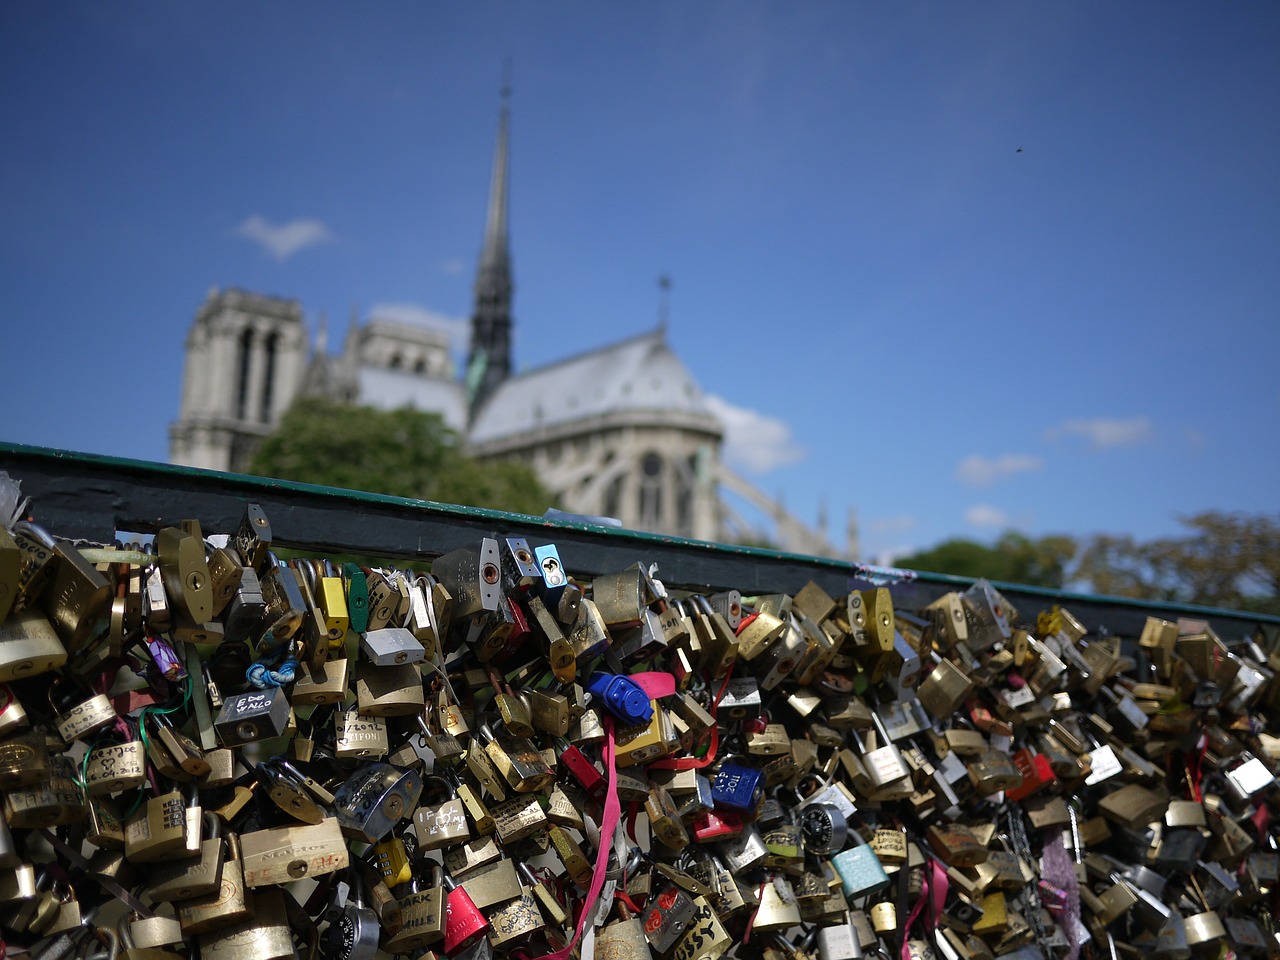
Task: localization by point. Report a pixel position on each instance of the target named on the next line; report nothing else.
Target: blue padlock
(622, 697)
(737, 786)
(554, 577)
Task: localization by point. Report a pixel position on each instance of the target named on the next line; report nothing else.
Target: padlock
(55, 800)
(389, 691)
(441, 818)
(860, 871)
(266, 936)
(190, 879)
(518, 761)
(358, 737)
(472, 575)
(281, 854)
(374, 799)
(24, 760)
(252, 716)
(327, 685)
(226, 905)
(464, 924)
(28, 646)
(515, 921)
(624, 938)
(424, 915)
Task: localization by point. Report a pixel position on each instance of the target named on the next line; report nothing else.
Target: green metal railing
(90, 497)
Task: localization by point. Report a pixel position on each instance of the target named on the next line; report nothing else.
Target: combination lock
(824, 829)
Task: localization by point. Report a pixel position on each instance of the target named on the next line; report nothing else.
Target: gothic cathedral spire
(489, 360)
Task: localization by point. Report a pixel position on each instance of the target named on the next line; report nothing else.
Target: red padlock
(582, 769)
(464, 924)
(717, 825)
(1037, 773)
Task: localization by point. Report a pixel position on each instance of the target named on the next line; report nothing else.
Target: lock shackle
(36, 532)
(446, 790)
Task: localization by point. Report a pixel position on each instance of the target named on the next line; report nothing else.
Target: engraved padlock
(375, 798)
(226, 905)
(265, 936)
(78, 710)
(441, 819)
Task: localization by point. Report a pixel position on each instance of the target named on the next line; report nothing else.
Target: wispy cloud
(283, 240)
(458, 328)
(985, 515)
(754, 441)
(451, 267)
(1105, 432)
(979, 471)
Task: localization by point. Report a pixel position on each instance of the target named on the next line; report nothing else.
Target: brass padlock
(516, 920)
(424, 916)
(224, 906)
(157, 830)
(358, 737)
(28, 646)
(282, 854)
(517, 818)
(114, 767)
(267, 936)
(199, 877)
(441, 819)
(389, 691)
(53, 801)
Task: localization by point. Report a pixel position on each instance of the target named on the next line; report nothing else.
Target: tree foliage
(1229, 560)
(1015, 558)
(405, 452)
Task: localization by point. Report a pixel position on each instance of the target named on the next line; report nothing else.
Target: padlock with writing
(424, 914)
(441, 819)
(375, 798)
(253, 715)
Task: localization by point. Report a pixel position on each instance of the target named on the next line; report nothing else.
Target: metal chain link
(1030, 898)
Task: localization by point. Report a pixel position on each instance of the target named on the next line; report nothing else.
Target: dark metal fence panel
(90, 497)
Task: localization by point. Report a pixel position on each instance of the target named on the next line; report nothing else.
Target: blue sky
(900, 312)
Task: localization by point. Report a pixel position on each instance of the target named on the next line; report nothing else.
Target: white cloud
(283, 240)
(754, 441)
(458, 328)
(985, 515)
(1104, 432)
(979, 471)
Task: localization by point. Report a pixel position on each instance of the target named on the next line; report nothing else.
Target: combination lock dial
(824, 829)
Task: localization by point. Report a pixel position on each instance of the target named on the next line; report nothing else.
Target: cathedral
(620, 431)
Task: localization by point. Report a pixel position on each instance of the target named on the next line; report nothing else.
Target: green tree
(1227, 560)
(405, 452)
(1014, 558)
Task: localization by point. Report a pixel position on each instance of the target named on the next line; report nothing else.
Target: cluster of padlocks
(206, 748)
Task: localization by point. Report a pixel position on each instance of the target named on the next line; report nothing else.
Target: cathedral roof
(639, 375)
(391, 389)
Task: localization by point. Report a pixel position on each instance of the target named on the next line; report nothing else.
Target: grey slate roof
(391, 389)
(637, 375)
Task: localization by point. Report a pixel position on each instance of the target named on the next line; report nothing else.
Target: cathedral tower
(489, 358)
(245, 357)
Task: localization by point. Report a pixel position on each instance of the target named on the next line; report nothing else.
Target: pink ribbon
(608, 826)
(935, 889)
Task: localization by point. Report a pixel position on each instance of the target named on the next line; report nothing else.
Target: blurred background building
(622, 430)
